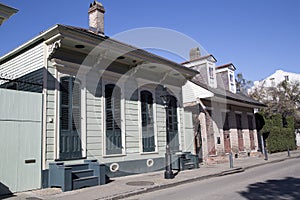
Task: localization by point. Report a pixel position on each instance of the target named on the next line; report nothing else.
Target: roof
(6, 12)
(225, 66)
(201, 58)
(238, 97)
(82, 32)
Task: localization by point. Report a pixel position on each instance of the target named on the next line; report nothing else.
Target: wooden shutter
(173, 124)
(70, 119)
(147, 122)
(113, 119)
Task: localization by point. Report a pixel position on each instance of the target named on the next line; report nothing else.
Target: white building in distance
(276, 78)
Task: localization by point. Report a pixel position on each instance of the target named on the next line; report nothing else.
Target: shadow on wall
(287, 188)
(4, 191)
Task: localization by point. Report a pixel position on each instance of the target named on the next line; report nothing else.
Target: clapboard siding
(94, 125)
(50, 114)
(25, 63)
(132, 127)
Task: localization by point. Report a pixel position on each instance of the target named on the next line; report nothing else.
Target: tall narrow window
(147, 122)
(113, 119)
(173, 124)
(70, 118)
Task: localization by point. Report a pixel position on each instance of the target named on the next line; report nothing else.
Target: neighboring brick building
(223, 120)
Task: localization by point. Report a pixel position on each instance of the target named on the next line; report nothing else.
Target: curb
(169, 185)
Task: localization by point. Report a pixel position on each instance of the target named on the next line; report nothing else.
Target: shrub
(280, 138)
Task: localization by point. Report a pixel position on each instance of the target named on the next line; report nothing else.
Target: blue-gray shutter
(70, 119)
(113, 119)
(147, 122)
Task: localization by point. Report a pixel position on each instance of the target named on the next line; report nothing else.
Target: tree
(283, 98)
(242, 85)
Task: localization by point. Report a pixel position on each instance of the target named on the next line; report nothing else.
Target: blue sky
(257, 36)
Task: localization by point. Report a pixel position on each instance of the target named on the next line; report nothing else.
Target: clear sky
(257, 36)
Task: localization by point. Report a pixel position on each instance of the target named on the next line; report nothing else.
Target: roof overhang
(62, 40)
(6, 12)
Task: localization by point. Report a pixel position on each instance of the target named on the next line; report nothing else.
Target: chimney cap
(96, 5)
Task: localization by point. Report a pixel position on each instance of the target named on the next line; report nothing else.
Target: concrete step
(82, 173)
(189, 165)
(85, 182)
(77, 167)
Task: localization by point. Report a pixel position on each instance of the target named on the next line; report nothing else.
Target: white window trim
(105, 82)
(140, 121)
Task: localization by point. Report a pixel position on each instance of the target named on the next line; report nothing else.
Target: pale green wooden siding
(20, 130)
(188, 132)
(94, 126)
(25, 63)
(50, 113)
(181, 129)
(161, 128)
(132, 127)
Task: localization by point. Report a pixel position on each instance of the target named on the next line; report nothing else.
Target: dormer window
(211, 72)
(231, 78)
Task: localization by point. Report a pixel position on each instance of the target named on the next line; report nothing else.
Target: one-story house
(101, 104)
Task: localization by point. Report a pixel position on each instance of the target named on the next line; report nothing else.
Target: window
(231, 78)
(113, 119)
(147, 122)
(211, 72)
(286, 78)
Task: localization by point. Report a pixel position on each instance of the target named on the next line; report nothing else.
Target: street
(273, 181)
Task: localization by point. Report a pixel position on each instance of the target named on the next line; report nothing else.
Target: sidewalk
(136, 184)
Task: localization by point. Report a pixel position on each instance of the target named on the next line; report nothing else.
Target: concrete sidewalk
(136, 184)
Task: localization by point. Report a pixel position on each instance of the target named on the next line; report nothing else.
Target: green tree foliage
(242, 85)
(280, 138)
(283, 99)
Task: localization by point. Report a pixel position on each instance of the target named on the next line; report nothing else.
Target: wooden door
(113, 119)
(239, 132)
(226, 134)
(70, 119)
(173, 124)
(251, 132)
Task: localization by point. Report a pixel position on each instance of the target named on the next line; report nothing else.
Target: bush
(280, 138)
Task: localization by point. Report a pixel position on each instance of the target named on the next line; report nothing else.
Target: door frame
(82, 80)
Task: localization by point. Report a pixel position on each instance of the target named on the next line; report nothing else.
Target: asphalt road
(268, 182)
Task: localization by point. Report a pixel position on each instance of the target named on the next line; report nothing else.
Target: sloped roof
(189, 73)
(238, 97)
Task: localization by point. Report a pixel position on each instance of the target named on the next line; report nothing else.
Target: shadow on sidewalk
(287, 188)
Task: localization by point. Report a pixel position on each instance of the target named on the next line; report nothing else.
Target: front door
(226, 134)
(70, 119)
(251, 132)
(240, 132)
(173, 125)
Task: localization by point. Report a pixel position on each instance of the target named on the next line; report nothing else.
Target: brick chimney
(96, 17)
(195, 53)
